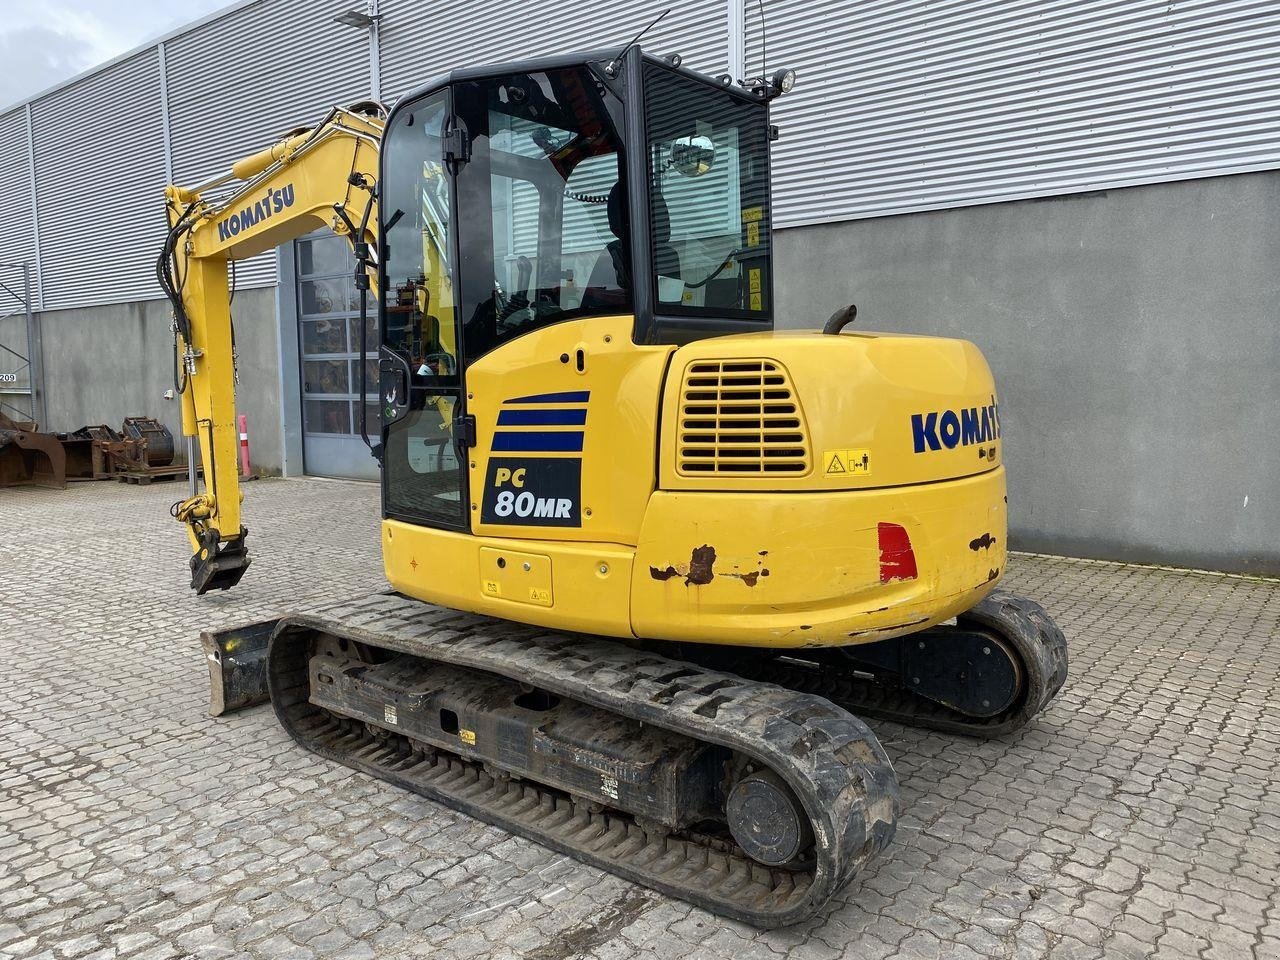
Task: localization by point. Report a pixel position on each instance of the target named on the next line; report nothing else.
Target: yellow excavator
(651, 560)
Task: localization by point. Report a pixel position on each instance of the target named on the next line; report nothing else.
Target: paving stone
(1137, 817)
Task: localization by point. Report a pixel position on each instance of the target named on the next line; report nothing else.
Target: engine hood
(811, 411)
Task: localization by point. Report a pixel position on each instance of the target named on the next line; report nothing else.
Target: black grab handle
(840, 319)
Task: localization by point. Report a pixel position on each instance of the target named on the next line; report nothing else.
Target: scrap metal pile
(141, 451)
(28, 456)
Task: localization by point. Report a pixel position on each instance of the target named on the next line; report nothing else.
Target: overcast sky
(45, 41)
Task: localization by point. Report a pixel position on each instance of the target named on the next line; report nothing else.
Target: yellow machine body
(854, 492)
(873, 506)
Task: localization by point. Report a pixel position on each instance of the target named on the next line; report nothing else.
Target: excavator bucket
(237, 658)
(30, 457)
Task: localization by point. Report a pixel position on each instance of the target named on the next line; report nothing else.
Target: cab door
(421, 391)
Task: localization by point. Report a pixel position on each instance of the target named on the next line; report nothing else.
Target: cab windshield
(542, 202)
(708, 167)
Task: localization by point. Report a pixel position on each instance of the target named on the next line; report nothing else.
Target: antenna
(764, 44)
(612, 68)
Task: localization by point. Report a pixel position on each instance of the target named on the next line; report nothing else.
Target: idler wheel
(767, 820)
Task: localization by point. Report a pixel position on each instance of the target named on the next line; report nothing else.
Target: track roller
(767, 820)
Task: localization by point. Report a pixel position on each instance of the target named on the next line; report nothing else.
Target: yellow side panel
(797, 569)
(582, 587)
(871, 410)
(518, 577)
(607, 390)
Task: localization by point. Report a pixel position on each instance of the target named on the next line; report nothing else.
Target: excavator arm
(325, 176)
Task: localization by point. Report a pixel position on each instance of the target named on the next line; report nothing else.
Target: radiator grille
(740, 417)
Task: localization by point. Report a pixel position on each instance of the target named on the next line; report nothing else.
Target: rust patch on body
(700, 570)
(984, 542)
(701, 566)
(992, 574)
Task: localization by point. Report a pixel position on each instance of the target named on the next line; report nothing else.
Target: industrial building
(1087, 190)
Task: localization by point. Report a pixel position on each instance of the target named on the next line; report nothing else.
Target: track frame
(830, 759)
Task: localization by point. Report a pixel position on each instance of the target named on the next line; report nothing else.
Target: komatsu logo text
(951, 428)
(272, 202)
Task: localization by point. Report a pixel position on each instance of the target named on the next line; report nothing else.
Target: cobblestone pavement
(1139, 816)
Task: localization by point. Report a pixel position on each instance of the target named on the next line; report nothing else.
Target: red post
(243, 423)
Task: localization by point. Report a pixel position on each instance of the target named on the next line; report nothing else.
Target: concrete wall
(13, 335)
(102, 364)
(1134, 336)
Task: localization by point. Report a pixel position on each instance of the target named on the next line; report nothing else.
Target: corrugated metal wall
(415, 46)
(902, 105)
(919, 105)
(239, 82)
(416, 49)
(99, 152)
(17, 234)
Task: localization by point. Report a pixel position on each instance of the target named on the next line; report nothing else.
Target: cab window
(418, 294)
(542, 205)
(708, 172)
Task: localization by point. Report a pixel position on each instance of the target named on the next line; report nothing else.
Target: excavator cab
(520, 197)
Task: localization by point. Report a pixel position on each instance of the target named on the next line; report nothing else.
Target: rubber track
(831, 759)
(1022, 623)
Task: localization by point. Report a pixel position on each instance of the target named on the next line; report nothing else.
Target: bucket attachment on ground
(30, 457)
(237, 658)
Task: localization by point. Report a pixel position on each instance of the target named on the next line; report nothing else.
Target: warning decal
(836, 463)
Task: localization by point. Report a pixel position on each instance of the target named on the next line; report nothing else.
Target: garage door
(329, 344)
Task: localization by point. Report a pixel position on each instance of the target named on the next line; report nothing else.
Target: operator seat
(610, 281)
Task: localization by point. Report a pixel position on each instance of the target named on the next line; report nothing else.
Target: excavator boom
(320, 177)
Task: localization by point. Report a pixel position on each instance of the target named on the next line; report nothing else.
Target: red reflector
(897, 559)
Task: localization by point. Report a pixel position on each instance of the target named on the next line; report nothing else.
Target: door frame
(463, 523)
(288, 352)
(289, 340)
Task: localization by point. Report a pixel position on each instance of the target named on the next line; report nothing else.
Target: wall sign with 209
(8, 378)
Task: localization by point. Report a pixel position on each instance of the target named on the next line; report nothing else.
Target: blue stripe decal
(576, 396)
(542, 418)
(539, 441)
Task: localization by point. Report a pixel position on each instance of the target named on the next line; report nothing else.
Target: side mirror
(692, 156)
